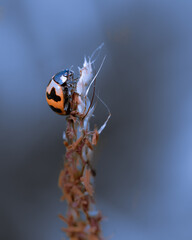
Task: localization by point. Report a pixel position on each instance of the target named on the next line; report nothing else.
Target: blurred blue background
(144, 156)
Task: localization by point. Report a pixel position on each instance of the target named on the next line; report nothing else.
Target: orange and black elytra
(59, 92)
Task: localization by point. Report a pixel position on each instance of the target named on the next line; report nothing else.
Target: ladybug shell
(55, 97)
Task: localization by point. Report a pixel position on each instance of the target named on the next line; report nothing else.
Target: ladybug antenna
(97, 50)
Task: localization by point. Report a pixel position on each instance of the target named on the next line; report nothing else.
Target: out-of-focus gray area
(144, 156)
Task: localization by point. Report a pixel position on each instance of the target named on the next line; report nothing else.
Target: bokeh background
(144, 156)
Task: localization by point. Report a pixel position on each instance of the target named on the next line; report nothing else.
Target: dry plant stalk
(76, 178)
(75, 183)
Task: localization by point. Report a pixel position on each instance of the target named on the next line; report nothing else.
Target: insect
(66, 95)
(59, 92)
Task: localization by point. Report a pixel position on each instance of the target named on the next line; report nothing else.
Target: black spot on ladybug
(53, 95)
(55, 109)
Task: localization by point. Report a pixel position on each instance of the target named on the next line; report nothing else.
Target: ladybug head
(62, 77)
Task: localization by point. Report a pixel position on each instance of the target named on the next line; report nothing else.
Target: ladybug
(59, 92)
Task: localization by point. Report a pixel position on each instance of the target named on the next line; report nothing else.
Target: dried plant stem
(76, 182)
(76, 178)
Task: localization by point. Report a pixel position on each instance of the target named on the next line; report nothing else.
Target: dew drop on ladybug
(59, 92)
